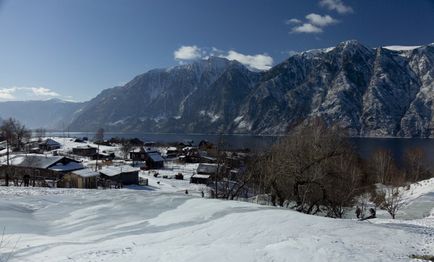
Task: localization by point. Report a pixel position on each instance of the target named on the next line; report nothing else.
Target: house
(200, 179)
(204, 173)
(83, 178)
(87, 151)
(171, 152)
(55, 163)
(103, 156)
(138, 155)
(37, 169)
(49, 145)
(153, 158)
(123, 175)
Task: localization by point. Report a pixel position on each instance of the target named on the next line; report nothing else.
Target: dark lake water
(365, 146)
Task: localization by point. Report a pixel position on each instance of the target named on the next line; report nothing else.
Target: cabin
(172, 152)
(204, 173)
(49, 145)
(122, 175)
(55, 163)
(200, 179)
(153, 158)
(87, 151)
(138, 155)
(83, 178)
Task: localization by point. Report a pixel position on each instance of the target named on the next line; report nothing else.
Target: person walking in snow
(358, 212)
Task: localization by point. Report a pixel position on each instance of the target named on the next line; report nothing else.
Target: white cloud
(187, 53)
(319, 20)
(42, 91)
(26, 93)
(255, 62)
(293, 21)
(336, 5)
(7, 93)
(258, 62)
(307, 28)
(314, 24)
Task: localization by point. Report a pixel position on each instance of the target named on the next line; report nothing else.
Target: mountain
(385, 91)
(204, 96)
(51, 114)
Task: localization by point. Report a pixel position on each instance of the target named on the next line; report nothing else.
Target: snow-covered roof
(117, 170)
(66, 167)
(155, 156)
(36, 161)
(87, 172)
(84, 147)
(50, 142)
(45, 162)
(201, 176)
(207, 168)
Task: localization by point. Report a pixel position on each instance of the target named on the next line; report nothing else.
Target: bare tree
(313, 169)
(383, 166)
(126, 147)
(415, 165)
(390, 197)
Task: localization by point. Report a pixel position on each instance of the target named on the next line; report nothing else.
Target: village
(71, 162)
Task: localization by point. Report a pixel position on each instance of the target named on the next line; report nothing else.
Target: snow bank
(147, 225)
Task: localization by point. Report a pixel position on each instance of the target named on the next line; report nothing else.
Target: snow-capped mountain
(371, 91)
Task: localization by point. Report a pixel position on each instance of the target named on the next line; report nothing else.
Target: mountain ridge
(372, 92)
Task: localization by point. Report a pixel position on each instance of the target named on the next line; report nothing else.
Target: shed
(84, 178)
(199, 179)
(125, 175)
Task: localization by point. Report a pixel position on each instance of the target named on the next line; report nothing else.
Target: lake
(365, 146)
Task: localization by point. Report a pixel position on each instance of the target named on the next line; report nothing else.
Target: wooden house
(123, 175)
(49, 145)
(153, 158)
(87, 151)
(83, 178)
(35, 169)
(204, 173)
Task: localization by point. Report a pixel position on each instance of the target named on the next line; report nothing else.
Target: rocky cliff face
(372, 92)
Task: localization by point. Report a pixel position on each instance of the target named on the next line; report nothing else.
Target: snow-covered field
(162, 223)
(158, 223)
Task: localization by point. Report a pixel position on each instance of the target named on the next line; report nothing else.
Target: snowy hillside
(154, 225)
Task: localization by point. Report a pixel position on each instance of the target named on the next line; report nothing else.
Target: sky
(73, 49)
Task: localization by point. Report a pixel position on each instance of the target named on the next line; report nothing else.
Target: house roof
(200, 176)
(46, 162)
(155, 156)
(117, 170)
(50, 142)
(87, 172)
(66, 167)
(207, 168)
(85, 147)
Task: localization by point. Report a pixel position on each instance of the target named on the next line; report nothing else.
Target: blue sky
(73, 49)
